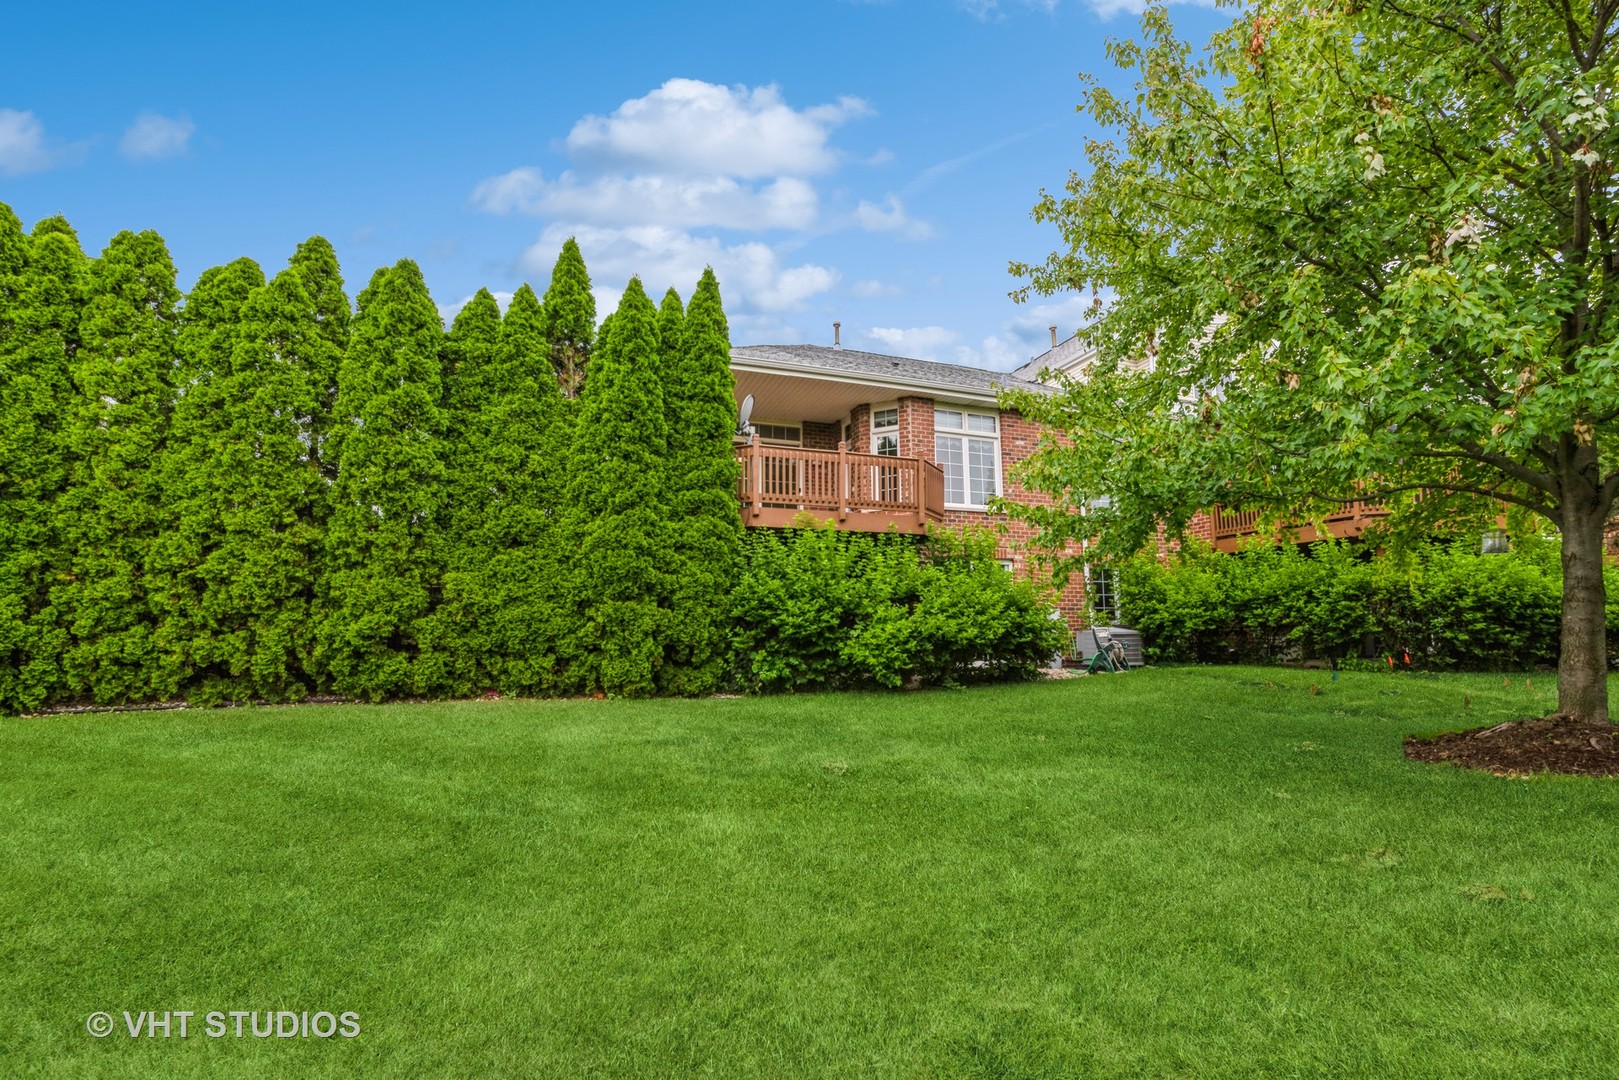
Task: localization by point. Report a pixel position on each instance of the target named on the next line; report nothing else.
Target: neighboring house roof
(1067, 357)
(898, 373)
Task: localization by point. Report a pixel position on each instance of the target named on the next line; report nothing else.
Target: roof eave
(766, 366)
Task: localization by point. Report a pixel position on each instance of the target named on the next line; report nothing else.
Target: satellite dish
(742, 425)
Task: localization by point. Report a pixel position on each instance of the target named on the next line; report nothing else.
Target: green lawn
(1200, 872)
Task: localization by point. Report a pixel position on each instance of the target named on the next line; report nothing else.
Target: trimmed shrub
(816, 608)
(1447, 607)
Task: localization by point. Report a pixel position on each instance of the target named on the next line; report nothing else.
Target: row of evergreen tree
(261, 491)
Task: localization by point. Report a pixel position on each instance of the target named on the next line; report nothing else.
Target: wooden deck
(1231, 527)
(858, 492)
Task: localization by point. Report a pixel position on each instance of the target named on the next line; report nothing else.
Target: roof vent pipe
(837, 335)
(1053, 337)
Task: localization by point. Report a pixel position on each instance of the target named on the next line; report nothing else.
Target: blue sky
(872, 163)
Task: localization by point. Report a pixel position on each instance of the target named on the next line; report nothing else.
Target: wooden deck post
(917, 496)
(755, 475)
(843, 480)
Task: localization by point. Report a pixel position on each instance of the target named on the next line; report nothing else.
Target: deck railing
(865, 492)
(1350, 519)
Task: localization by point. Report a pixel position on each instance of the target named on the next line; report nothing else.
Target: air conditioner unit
(1131, 640)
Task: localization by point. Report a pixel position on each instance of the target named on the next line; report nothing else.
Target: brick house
(1223, 528)
(874, 442)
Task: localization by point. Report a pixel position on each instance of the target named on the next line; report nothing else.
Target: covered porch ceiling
(794, 398)
(790, 398)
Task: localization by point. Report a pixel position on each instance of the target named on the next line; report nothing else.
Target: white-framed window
(780, 434)
(967, 446)
(1102, 592)
(885, 431)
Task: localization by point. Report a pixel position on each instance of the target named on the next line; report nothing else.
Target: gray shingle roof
(1059, 357)
(924, 373)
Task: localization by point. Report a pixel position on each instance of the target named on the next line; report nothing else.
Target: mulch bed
(1547, 744)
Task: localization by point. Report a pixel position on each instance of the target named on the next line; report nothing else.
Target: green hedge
(259, 492)
(1445, 607)
(815, 608)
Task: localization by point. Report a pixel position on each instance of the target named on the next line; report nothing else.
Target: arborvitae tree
(251, 500)
(616, 524)
(56, 225)
(457, 654)
(315, 263)
(539, 432)
(13, 260)
(570, 318)
(382, 537)
(525, 571)
(671, 323)
(111, 511)
(40, 303)
(15, 520)
(471, 361)
(705, 521)
(196, 492)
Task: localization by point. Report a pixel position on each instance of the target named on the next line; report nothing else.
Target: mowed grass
(1198, 872)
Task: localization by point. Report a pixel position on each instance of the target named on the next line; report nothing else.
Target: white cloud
(871, 289)
(23, 148)
(891, 217)
(993, 353)
(927, 176)
(154, 136)
(680, 202)
(517, 191)
(1030, 328)
(917, 342)
(1107, 9)
(752, 274)
(947, 347)
(1024, 336)
(767, 329)
(658, 187)
(690, 126)
(983, 9)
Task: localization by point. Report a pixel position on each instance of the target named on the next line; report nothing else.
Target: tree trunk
(1582, 665)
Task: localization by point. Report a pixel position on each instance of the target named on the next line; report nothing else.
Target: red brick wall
(1201, 526)
(1019, 438)
(819, 436)
(860, 420)
(916, 427)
